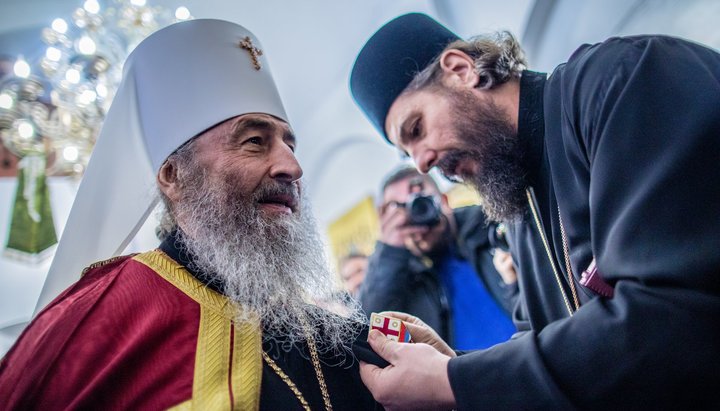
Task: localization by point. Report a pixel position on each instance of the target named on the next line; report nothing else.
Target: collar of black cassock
(391, 58)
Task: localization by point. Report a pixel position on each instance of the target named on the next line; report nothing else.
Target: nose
(424, 159)
(285, 165)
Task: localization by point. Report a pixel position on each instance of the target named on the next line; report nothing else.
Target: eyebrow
(406, 127)
(264, 125)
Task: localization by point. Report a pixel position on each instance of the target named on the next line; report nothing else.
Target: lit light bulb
(70, 153)
(54, 97)
(86, 45)
(182, 13)
(73, 76)
(59, 25)
(53, 54)
(88, 96)
(21, 68)
(92, 6)
(25, 129)
(138, 3)
(66, 119)
(101, 90)
(6, 101)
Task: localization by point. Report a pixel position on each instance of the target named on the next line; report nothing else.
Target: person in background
(435, 263)
(606, 173)
(353, 268)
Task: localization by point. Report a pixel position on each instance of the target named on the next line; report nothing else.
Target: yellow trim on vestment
(212, 363)
(183, 406)
(246, 367)
(178, 276)
(217, 363)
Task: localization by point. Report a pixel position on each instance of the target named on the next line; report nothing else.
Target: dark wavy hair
(498, 58)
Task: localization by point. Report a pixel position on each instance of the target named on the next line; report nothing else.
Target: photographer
(436, 264)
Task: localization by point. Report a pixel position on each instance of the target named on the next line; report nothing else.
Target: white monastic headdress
(178, 82)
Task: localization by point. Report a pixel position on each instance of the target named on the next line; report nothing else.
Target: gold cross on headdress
(247, 44)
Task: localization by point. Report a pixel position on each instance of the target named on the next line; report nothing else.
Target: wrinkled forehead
(239, 124)
(400, 190)
(261, 121)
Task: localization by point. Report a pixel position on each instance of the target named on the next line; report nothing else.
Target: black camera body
(423, 210)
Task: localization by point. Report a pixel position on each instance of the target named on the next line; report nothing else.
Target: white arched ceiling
(556, 28)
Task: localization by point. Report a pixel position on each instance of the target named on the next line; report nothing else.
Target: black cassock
(624, 144)
(345, 387)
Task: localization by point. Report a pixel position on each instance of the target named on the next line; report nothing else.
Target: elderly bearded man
(608, 166)
(219, 317)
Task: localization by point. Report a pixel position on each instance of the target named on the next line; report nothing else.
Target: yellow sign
(461, 195)
(355, 231)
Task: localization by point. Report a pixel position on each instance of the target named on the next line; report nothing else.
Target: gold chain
(286, 380)
(566, 252)
(318, 372)
(547, 250)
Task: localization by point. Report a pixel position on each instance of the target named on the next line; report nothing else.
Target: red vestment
(141, 332)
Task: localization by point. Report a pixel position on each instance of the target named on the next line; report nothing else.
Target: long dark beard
(274, 268)
(489, 141)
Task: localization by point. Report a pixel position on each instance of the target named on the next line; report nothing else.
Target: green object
(32, 231)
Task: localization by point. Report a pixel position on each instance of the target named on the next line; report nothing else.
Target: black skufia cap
(390, 60)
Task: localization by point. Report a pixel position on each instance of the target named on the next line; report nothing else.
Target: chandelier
(55, 107)
(51, 110)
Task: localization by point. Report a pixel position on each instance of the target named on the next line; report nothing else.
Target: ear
(445, 204)
(459, 68)
(167, 180)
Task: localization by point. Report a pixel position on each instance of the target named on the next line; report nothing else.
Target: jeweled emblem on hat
(255, 52)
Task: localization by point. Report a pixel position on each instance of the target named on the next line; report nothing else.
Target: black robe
(623, 140)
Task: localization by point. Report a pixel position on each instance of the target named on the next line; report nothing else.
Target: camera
(498, 237)
(423, 210)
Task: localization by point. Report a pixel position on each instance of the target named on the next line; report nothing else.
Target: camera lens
(423, 210)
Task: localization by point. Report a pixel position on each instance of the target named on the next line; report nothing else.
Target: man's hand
(421, 332)
(417, 378)
(394, 228)
(503, 262)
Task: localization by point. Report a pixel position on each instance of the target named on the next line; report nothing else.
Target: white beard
(274, 267)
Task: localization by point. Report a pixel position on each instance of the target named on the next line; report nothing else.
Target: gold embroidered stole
(228, 359)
